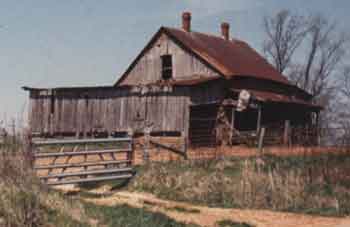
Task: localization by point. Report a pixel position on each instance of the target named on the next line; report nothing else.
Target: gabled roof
(228, 57)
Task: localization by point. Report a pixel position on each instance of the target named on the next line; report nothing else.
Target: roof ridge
(212, 35)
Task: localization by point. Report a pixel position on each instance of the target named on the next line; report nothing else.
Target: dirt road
(205, 216)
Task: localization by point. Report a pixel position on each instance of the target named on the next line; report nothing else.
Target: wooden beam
(318, 132)
(51, 154)
(286, 132)
(261, 140)
(92, 179)
(86, 173)
(80, 141)
(172, 149)
(82, 164)
(184, 144)
(258, 123)
(232, 123)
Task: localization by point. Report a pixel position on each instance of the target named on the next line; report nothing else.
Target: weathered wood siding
(38, 111)
(116, 110)
(79, 111)
(148, 68)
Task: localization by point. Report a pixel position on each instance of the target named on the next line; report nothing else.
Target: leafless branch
(285, 33)
(345, 83)
(319, 42)
(325, 54)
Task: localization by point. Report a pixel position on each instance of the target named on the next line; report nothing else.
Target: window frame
(167, 66)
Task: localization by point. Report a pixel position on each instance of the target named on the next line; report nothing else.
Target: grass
(30, 204)
(56, 218)
(25, 202)
(126, 216)
(317, 184)
(229, 223)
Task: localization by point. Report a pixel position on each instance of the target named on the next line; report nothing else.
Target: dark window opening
(86, 97)
(52, 109)
(246, 120)
(138, 116)
(167, 67)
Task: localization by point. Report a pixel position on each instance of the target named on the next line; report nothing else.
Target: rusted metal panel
(265, 96)
(231, 58)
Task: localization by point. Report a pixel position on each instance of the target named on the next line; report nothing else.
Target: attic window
(167, 67)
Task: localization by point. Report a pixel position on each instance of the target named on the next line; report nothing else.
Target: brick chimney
(186, 21)
(225, 30)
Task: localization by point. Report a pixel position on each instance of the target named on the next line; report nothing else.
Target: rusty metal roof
(188, 81)
(25, 88)
(265, 96)
(229, 57)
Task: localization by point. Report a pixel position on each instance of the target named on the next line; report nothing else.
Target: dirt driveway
(205, 216)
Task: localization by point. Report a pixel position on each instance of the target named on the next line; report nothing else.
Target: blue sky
(47, 43)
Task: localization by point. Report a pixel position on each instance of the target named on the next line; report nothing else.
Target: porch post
(318, 129)
(258, 124)
(261, 140)
(286, 132)
(232, 123)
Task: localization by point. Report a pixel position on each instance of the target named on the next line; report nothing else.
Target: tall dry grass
(19, 192)
(318, 185)
(19, 188)
(24, 201)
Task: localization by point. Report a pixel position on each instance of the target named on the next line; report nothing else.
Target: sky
(52, 43)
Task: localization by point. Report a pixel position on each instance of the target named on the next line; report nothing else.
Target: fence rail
(337, 137)
(81, 141)
(112, 159)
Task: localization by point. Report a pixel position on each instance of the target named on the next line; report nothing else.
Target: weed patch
(124, 215)
(315, 184)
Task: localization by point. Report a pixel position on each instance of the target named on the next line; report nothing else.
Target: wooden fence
(59, 162)
(204, 134)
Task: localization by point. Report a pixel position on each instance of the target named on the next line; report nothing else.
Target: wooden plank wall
(79, 111)
(148, 69)
(115, 110)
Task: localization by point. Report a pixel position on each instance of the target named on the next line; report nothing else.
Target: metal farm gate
(59, 162)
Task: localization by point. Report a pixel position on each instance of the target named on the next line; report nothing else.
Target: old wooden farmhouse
(183, 83)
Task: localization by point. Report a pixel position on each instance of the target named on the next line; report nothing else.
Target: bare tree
(309, 50)
(343, 113)
(345, 83)
(322, 46)
(326, 50)
(285, 32)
